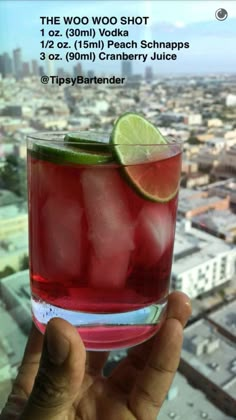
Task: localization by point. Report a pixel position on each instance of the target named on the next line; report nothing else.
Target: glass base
(105, 331)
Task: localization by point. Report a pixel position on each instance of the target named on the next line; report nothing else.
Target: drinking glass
(101, 248)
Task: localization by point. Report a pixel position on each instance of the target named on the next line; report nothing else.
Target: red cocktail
(100, 252)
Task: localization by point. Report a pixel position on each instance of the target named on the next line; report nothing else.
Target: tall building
(25, 69)
(41, 71)
(148, 74)
(17, 59)
(77, 70)
(50, 69)
(61, 72)
(126, 69)
(1, 65)
(90, 73)
(5, 65)
(35, 68)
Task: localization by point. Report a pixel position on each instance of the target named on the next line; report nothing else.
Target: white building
(230, 100)
(186, 402)
(13, 220)
(13, 250)
(201, 261)
(208, 361)
(194, 119)
(214, 123)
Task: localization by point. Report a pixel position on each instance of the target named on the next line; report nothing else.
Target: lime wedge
(149, 165)
(88, 140)
(65, 154)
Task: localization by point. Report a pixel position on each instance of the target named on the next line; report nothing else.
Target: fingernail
(188, 305)
(58, 347)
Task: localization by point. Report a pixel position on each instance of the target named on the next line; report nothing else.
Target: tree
(193, 140)
(13, 176)
(7, 271)
(24, 263)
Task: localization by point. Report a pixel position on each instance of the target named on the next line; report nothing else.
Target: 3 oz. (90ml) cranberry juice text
(98, 247)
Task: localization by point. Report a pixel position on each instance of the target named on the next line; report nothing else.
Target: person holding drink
(102, 214)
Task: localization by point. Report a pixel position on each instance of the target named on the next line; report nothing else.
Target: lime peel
(135, 143)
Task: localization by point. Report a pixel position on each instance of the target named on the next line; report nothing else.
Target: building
(5, 65)
(148, 74)
(185, 402)
(16, 322)
(225, 320)
(126, 69)
(189, 194)
(2, 67)
(214, 123)
(13, 111)
(223, 189)
(5, 375)
(13, 232)
(13, 250)
(35, 68)
(90, 74)
(25, 69)
(193, 180)
(13, 220)
(189, 166)
(50, 67)
(208, 361)
(201, 262)
(208, 156)
(230, 100)
(77, 70)
(41, 71)
(10, 125)
(220, 223)
(200, 203)
(226, 166)
(194, 119)
(15, 292)
(17, 60)
(8, 198)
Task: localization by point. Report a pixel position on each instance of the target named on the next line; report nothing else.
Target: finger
(179, 307)
(125, 374)
(154, 380)
(24, 381)
(60, 373)
(95, 362)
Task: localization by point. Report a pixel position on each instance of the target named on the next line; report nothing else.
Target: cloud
(179, 24)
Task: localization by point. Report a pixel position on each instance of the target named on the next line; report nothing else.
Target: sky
(211, 42)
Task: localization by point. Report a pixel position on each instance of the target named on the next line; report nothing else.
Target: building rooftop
(13, 339)
(8, 198)
(14, 245)
(211, 354)
(18, 284)
(186, 193)
(193, 247)
(226, 187)
(225, 317)
(221, 221)
(185, 402)
(197, 202)
(13, 210)
(215, 141)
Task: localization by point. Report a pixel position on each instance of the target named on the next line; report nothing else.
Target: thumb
(60, 373)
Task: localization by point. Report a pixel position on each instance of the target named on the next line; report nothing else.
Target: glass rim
(47, 136)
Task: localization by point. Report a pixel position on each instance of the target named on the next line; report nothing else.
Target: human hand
(58, 381)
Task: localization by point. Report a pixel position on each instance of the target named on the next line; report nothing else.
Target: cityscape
(201, 112)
